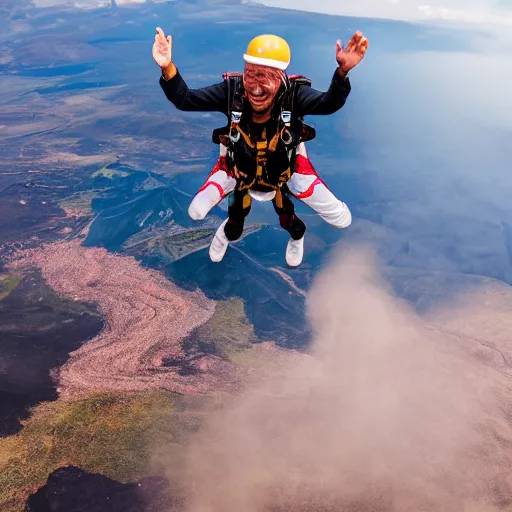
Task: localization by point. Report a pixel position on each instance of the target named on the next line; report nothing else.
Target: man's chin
(258, 106)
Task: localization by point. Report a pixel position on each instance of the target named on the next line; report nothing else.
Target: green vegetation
(7, 284)
(41, 306)
(112, 435)
(227, 333)
(105, 172)
(230, 334)
(170, 245)
(81, 201)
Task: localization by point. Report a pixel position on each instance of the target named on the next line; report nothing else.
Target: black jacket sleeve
(311, 101)
(213, 98)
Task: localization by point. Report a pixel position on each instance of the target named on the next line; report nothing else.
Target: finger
(351, 43)
(339, 46)
(158, 39)
(360, 43)
(363, 45)
(160, 32)
(357, 38)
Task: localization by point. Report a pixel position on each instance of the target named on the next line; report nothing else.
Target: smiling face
(261, 84)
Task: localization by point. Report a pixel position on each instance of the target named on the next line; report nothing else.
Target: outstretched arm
(208, 99)
(312, 101)
(213, 98)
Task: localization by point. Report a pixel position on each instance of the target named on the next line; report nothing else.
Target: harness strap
(244, 135)
(273, 143)
(279, 198)
(247, 200)
(230, 135)
(261, 155)
(283, 178)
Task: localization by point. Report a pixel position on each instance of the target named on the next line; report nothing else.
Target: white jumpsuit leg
(217, 186)
(306, 185)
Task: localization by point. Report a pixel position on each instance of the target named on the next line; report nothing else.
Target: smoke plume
(384, 414)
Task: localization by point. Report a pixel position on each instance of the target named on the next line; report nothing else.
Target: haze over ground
(388, 413)
(475, 12)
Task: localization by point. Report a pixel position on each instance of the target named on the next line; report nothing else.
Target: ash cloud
(385, 414)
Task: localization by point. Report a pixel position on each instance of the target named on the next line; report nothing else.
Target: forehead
(256, 70)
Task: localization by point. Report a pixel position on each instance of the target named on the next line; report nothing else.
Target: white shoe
(219, 244)
(295, 252)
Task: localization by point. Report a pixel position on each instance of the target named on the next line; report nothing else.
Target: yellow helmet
(268, 50)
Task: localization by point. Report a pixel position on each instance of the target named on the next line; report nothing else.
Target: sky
(476, 12)
(494, 12)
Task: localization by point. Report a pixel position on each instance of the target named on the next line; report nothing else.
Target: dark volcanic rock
(38, 330)
(71, 489)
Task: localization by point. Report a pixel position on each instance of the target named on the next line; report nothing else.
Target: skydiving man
(262, 150)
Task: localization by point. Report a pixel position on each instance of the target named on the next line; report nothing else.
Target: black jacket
(214, 98)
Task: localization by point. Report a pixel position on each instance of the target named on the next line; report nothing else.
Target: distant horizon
(451, 11)
(494, 14)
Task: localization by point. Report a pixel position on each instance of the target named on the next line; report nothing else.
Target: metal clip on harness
(234, 134)
(286, 136)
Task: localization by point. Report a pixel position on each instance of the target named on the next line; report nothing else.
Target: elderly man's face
(261, 84)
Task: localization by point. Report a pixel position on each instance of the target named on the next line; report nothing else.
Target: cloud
(482, 12)
(385, 414)
(503, 4)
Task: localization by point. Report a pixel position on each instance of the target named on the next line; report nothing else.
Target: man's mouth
(258, 98)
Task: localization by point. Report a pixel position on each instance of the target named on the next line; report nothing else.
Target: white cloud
(482, 12)
(86, 4)
(83, 4)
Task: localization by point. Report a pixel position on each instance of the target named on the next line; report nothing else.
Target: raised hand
(162, 49)
(353, 53)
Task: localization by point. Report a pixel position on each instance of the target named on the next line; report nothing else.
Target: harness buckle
(286, 117)
(236, 116)
(234, 135)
